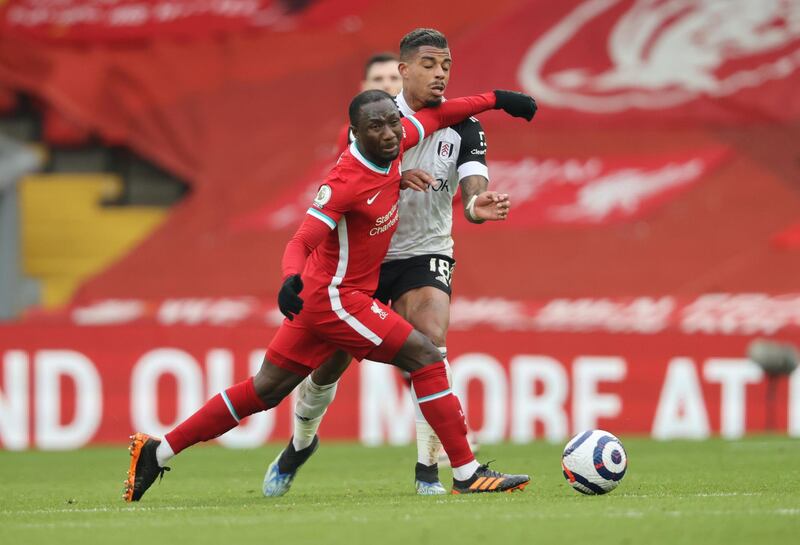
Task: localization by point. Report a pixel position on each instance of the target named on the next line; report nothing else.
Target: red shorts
(363, 327)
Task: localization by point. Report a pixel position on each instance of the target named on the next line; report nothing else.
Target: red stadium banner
(545, 191)
(655, 61)
(100, 21)
(96, 20)
(288, 209)
(65, 387)
(594, 190)
(723, 314)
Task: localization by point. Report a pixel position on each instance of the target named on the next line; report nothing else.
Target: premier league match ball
(594, 462)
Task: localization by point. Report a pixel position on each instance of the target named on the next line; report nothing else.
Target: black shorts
(398, 277)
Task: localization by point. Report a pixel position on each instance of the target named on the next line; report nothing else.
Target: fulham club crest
(445, 149)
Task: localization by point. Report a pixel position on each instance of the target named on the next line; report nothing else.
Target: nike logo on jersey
(375, 196)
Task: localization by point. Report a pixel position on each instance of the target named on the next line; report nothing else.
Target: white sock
(428, 444)
(312, 402)
(443, 352)
(429, 448)
(164, 452)
(462, 473)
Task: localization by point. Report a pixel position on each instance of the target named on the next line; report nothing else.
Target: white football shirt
(426, 218)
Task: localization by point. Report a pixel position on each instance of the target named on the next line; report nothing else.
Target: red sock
(220, 414)
(443, 412)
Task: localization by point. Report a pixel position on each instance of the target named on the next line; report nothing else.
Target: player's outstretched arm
(430, 120)
(515, 104)
(456, 110)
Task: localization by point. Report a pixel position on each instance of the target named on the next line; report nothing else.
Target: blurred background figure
(381, 72)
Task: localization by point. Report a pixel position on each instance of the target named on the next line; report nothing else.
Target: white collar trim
(354, 151)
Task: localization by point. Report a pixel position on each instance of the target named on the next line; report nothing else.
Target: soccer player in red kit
(334, 260)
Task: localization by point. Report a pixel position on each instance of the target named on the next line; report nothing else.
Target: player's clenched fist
(289, 300)
(515, 104)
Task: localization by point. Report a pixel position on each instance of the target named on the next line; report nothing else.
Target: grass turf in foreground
(676, 492)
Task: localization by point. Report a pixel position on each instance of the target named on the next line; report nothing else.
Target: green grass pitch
(675, 492)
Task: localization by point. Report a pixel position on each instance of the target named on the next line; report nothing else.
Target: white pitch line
(699, 495)
(629, 513)
(790, 512)
(764, 444)
(724, 494)
(131, 509)
(257, 520)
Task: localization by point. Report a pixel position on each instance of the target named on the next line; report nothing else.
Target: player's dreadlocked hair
(365, 97)
(419, 37)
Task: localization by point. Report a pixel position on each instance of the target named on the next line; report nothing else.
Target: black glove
(289, 301)
(515, 104)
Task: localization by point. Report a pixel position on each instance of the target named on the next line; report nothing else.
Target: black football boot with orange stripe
(488, 480)
(144, 466)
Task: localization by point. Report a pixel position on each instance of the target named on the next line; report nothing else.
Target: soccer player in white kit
(417, 271)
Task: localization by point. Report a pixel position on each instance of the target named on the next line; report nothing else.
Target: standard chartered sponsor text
(385, 222)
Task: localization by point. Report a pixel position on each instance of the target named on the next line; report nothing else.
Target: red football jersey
(348, 228)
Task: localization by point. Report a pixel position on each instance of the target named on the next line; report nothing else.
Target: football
(594, 462)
